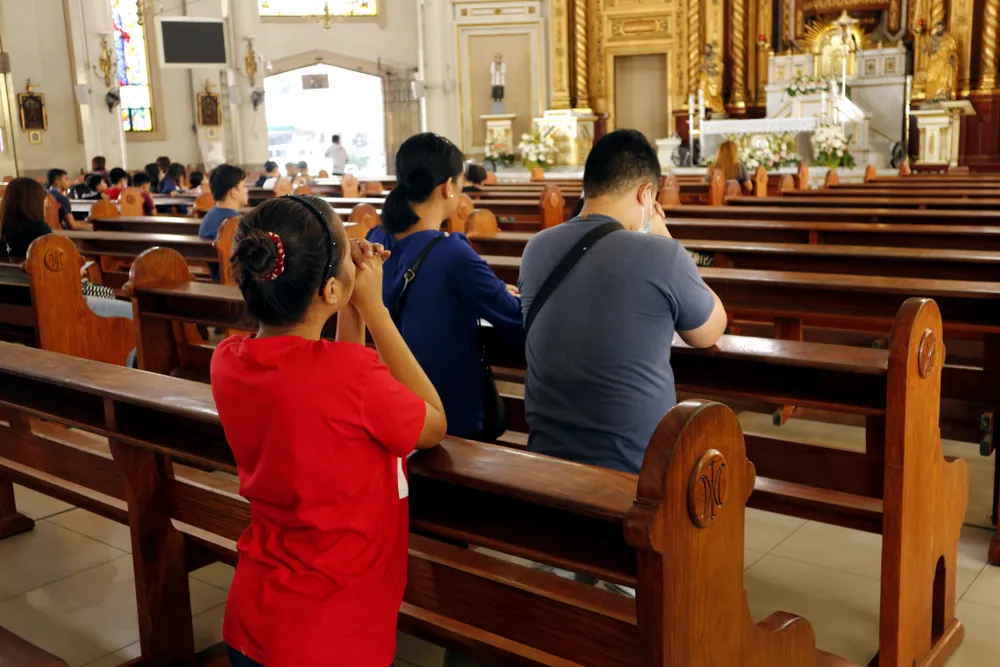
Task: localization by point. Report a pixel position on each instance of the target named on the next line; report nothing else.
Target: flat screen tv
(188, 42)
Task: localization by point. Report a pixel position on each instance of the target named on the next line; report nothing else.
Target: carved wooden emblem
(926, 353)
(554, 199)
(55, 260)
(707, 488)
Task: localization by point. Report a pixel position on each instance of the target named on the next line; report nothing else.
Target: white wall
(35, 38)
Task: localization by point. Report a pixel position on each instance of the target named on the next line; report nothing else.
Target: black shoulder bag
(494, 411)
(565, 265)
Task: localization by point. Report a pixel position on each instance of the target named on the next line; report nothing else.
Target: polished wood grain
(161, 224)
(103, 209)
(130, 202)
(813, 198)
(926, 192)
(750, 209)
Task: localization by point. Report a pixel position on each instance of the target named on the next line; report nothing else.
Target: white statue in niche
(498, 77)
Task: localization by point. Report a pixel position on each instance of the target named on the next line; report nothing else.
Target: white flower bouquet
(536, 150)
(805, 85)
(497, 152)
(831, 147)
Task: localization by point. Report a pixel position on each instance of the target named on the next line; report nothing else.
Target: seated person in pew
(119, 181)
(728, 160)
(196, 179)
(320, 431)
(154, 176)
(59, 185)
(229, 189)
(270, 176)
(475, 175)
(93, 188)
(99, 166)
(162, 167)
(438, 310)
(173, 180)
(22, 215)
(145, 185)
(599, 332)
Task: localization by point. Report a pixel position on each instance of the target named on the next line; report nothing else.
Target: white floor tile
(842, 608)
(985, 589)
(130, 652)
(89, 615)
(219, 575)
(95, 527)
(750, 557)
(208, 627)
(765, 530)
(981, 646)
(37, 506)
(46, 554)
(418, 652)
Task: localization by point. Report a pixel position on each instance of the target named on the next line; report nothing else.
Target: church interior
(832, 168)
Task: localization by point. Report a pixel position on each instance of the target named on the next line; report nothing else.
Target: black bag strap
(410, 276)
(565, 265)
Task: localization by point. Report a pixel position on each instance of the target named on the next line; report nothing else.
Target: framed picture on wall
(33, 115)
(34, 136)
(212, 133)
(209, 109)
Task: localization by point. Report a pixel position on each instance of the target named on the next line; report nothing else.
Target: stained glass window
(133, 66)
(318, 7)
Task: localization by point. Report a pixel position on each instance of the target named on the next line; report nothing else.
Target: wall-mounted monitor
(188, 42)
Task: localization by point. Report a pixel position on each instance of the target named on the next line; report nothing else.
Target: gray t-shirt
(599, 379)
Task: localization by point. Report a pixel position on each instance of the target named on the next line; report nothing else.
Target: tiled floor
(67, 586)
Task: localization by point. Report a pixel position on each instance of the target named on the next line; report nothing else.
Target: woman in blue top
(454, 288)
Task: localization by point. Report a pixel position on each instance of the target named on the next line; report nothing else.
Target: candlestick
(822, 105)
(701, 104)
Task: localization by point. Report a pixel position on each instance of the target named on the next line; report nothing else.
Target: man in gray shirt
(599, 378)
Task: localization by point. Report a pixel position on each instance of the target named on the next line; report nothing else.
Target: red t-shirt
(148, 205)
(319, 431)
(113, 193)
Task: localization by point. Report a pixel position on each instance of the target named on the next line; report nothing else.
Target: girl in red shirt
(320, 431)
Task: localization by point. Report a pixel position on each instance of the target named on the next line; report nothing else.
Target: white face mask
(647, 221)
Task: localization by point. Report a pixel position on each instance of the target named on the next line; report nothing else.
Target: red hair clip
(279, 260)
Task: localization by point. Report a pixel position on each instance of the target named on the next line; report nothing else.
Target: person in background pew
(22, 216)
(728, 160)
(475, 175)
(320, 431)
(99, 166)
(229, 189)
(58, 186)
(599, 332)
(119, 181)
(154, 176)
(196, 179)
(454, 288)
(172, 181)
(162, 167)
(271, 171)
(145, 185)
(94, 188)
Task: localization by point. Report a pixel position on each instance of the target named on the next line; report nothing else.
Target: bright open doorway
(307, 106)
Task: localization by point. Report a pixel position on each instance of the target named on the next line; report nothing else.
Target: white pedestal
(940, 128)
(665, 151)
(573, 133)
(500, 130)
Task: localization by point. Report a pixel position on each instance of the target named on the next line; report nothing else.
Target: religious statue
(942, 65)
(710, 80)
(498, 77)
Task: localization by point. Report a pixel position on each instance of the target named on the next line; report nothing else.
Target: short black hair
(93, 180)
(302, 164)
(475, 173)
(118, 174)
(335, 138)
(307, 240)
(196, 178)
(141, 179)
(224, 178)
(618, 162)
(54, 175)
(270, 166)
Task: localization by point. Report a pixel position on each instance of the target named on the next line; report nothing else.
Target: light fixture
(251, 62)
(105, 66)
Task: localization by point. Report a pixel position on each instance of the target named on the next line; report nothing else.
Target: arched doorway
(307, 106)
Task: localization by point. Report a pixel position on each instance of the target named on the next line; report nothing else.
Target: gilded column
(988, 67)
(694, 44)
(560, 55)
(738, 53)
(764, 14)
(580, 37)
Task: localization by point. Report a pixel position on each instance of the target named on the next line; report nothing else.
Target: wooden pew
(753, 209)
(813, 198)
(42, 305)
(957, 192)
(680, 549)
(160, 224)
(812, 375)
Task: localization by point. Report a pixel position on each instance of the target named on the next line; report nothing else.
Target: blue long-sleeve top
(439, 322)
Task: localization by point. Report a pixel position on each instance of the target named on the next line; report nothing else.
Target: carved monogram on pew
(707, 488)
(926, 353)
(55, 260)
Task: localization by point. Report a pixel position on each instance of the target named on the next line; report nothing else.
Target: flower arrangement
(831, 147)
(805, 85)
(536, 150)
(773, 155)
(496, 152)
